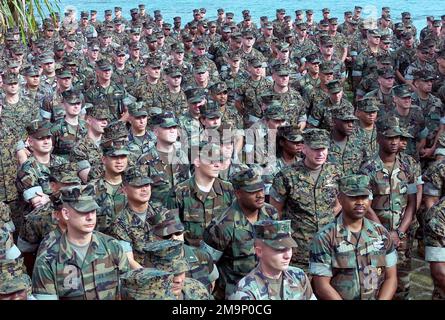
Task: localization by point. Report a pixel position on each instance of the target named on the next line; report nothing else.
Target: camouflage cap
(324, 23)
(173, 71)
(136, 176)
(276, 234)
(326, 67)
(423, 75)
(65, 173)
(39, 129)
(201, 68)
(153, 111)
(402, 91)
(316, 138)
(388, 126)
(115, 148)
(99, 112)
(313, 59)
(210, 151)
(17, 49)
(255, 62)
(166, 255)
(275, 111)
(280, 69)
(405, 133)
(374, 33)
(344, 114)
(152, 38)
(147, 284)
(386, 39)
(234, 55)
(194, 95)
(15, 284)
(248, 180)
(115, 130)
(63, 73)
(103, 65)
(291, 133)
(355, 185)
(81, 197)
(167, 222)
(31, 71)
(72, 96)
(210, 110)
(230, 14)
(368, 105)
(177, 47)
(165, 120)
(218, 87)
(136, 110)
(437, 23)
(153, 62)
(334, 86)
(333, 20)
(84, 14)
(10, 78)
(135, 45)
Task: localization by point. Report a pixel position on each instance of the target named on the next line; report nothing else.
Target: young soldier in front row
(353, 257)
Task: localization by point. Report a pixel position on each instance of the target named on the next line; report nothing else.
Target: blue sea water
(419, 9)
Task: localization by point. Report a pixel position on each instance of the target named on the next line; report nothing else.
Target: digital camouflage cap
(81, 197)
(316, 138)
(167, 222)
(274, 111)
(389, 126)
(147, 284)
(344, 114)
(115, 130)
(164, 120)
(136, 110)
(368, 105)
(166, 255)
(10, 285)
(276, 234)
(137, 177)
(115, 148)
(355, 185)
(291, 133)
(210, 110)
(65, 173)
(39, 129)
(248, 180)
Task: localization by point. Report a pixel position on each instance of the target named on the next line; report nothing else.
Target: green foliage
(24, 13)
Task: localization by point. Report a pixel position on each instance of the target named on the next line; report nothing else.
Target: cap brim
(139, 114)
(281, 244)
(254, 187)
(116, 153)
(84, 206)
(317, 145)
(358, 192)
(348, 118)
(139, 182)
(391, 133)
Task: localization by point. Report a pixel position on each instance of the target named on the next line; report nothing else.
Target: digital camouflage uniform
(435, 241)
(65, 136)
(146, 284)
(308, 202)
(293, 282)
(59, 272)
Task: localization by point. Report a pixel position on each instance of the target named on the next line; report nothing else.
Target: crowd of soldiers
(293, 159)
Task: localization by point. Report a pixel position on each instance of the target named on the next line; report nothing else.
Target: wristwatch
(401, 234)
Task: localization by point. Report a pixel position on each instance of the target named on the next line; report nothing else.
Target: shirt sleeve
(320, 259)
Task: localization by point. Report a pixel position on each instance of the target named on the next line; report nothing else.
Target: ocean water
(371, 9)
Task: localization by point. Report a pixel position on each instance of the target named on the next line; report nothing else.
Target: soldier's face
(275, 123)
(227, 150)
(11, 89)
(97, 125)
(19, 295)
(315, 157)
(161, 41)
(326, 77)
(291, 147)
(248, 41)
(267, 32)
(403, 144)
(386, 83)
(211, 123)
(166, 135)
(72, 109)
(328, 50)
(104, 75)
(345, 127)
(389, 145)
(138, 123)
(154, 72)
(94, 54)
(178, 56)
(368, 118)
(251, 200)
(48, 68)
(64, 83)
(138, 195)
(221, 97)
(174, 81)
(178, 283)
(135, 37)
(404, 103)
(135, 53)
(313, 68)
(374, 40)
(41, 145)
(354, 208)
(115, 164)
(201, 76)
(120, 60)
(234, 63)
(208, 168)
(273, 260)
(425, 86)
(281, 80)
(79, 222)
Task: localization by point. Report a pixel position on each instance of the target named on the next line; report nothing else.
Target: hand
(22, 155)
(348, 59)
(395, 238)
(125, 116)
(426, 152)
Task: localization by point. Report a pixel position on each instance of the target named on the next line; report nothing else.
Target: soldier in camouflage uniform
(109, 188)
(434, 246)
(73, 268)
(421, 62)
(189, 122)
(345, 150)
(393, 185)
(232, 75)
(247, 51)
(133, 226)
(321, 115)
(230, 115)
(105, 90)
(339, 40)
(33, 175)
(229, 237)
(384, 93)
(431, 106)
(302, 46)
(70, 129)
(87, 153)
(168, 226)
(273, 278)
(204, 196)
(123, 73)
(319, 93)
(15, 284)
(306, 193)
(173, 99)
(166, 163)
(327, 54)
(248, 94)
(33, 88)
(168, 255)
(365, 130)
(353, 258)
(264, 42)
(372, 82)
(140, 139)
(147, 284)
(311, 80)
